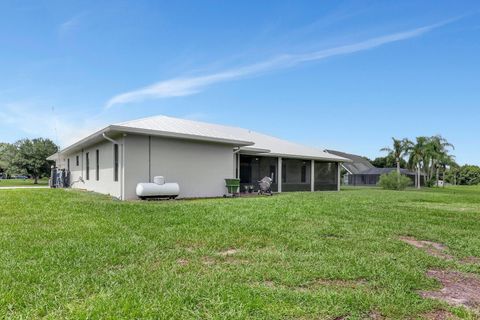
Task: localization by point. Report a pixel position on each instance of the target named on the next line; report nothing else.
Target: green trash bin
(233, 185)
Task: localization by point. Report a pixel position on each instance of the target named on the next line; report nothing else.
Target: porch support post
(238, 166)
(312, 176)
(279, 177)
(339, 176)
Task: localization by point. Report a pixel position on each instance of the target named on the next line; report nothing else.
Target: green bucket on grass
(232, 185)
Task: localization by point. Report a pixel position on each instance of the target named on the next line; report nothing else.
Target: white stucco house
(196, 155)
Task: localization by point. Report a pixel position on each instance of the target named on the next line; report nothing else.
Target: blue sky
(344, 75)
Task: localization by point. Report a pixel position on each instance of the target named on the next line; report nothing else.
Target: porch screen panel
(296, 175)
(326, 176)
(254, 168)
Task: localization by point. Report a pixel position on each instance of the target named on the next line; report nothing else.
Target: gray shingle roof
(386, 170)
(359, 164)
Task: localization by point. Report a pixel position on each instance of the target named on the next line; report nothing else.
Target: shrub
(469, 175)
(432, 182)
(392, 181)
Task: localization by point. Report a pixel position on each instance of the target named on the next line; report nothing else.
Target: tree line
(27, 157)
(429, 157)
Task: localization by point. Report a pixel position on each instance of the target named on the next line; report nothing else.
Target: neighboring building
(360, 172)
(198, 156)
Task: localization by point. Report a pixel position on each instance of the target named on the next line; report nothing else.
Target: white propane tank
(158, 189)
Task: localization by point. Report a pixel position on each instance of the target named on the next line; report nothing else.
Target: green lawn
(22, 182)
(77, 255)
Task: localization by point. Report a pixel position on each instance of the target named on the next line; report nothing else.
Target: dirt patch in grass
(317, 284)
(432, 248)
(459, 289)
(228, 252)
(269, 284)
(236, 261)
(375, 315)
(439, 315)
(437, 250)
(471, 260)
(182, 262)
(225, 258)
(337, 283)
(208, 261)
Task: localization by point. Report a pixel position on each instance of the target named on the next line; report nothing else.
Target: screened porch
(296, 174)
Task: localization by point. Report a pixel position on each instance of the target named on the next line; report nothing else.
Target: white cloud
(37, 120)
(184, 86)
(69, 25)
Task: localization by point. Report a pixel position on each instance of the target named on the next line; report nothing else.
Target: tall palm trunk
(419, 179)
(443, 177)
(437, 169)
(398, 171)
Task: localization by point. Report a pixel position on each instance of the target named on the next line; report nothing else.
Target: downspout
(149, 158)
(109, 139)
(121, 175)
(237, 161)
(123, 167)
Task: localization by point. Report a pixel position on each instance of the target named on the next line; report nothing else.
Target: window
(97, 165)
(87, 160)
(115, 162)
(78, 161)
(68, 164)
(303, 177)
(284, 173)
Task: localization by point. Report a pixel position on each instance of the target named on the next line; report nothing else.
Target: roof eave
(309, 157)
(253, 150)
(85, 140)
(121, 129)
(234, 142)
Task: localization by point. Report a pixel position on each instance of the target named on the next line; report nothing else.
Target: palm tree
(398, 151)
(446, 160)
(438, 151)
(417, 156)
(454, 169)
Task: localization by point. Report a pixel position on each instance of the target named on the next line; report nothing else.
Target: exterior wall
(105, 183)
(200, 168)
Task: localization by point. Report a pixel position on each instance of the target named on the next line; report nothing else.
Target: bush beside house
(394, 181)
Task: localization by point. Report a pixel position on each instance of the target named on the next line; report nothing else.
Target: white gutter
(109, 139)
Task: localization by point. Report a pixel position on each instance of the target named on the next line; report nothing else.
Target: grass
(22, 182)
(78, 255)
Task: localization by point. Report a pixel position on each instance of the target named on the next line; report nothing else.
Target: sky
(344, 75)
